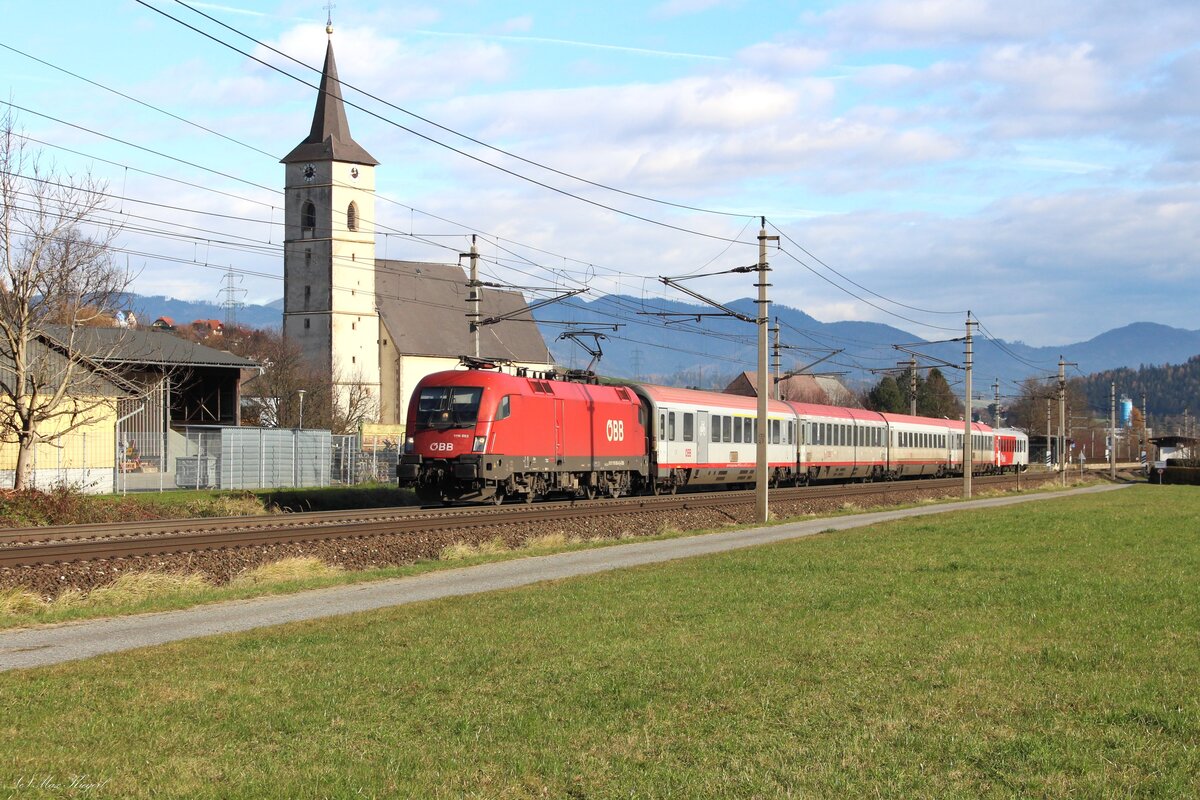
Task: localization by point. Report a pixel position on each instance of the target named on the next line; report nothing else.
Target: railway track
(65, 544)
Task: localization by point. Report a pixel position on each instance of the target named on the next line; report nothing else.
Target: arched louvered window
(352, 217)
(308, 216)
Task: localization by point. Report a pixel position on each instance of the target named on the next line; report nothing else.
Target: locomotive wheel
(497, 498)
(589, 491)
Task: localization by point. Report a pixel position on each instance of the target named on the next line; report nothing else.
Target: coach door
(702, 438)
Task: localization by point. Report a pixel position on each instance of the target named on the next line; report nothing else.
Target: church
(379, 324)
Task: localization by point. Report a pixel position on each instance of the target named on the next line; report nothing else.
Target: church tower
(329, 304)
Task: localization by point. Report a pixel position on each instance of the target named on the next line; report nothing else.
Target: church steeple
(329, 139)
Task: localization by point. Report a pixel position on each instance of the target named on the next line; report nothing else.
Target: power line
(461, 135)
(449, 147)
(859, 285)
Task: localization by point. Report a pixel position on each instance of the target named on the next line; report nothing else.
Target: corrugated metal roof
(49, 365)
(142, 346)
(424, 306)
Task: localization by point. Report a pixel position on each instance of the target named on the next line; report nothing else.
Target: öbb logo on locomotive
(528, 435)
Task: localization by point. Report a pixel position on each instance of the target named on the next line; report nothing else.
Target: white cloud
(775, 58)
(677, 8)
(394, 67)
(520, 24)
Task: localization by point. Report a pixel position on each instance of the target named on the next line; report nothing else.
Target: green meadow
(1050, 650)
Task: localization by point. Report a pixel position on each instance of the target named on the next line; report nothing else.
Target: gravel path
(41, 646)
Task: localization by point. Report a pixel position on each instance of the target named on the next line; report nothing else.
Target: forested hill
(1170, 389)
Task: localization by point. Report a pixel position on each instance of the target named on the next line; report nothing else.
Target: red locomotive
(482, 434)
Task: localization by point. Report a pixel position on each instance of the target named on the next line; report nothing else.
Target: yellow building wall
(90, 446)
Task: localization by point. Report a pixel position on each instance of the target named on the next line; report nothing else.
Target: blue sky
(1034, 162)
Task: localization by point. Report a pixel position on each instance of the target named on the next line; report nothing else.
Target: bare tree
(57, 277)
(353, 403)
(273, 398)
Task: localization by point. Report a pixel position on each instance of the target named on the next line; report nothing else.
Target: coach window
(504, 409)
(662, 427)
(687, 426)
(671, 426)
(774, 431)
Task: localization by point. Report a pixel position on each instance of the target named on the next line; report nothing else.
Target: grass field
(1051, 649)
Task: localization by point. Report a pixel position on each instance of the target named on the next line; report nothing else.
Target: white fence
(206, 457)
(252, 458)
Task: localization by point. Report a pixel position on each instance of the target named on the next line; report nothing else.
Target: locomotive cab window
(448, 406)
(504, 408)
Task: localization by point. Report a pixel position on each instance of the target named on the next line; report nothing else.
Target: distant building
(799, 389)
(138, 389)
(208, 327)
(163, 324)
(1183, 448)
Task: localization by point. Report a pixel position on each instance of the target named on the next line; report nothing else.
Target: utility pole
(1145, 432)
(996, 404)
(968, 444)
(1062, 416)
(778, 367)
(762, 510)
(473, 297)
(912, 385)
(1049, 449)
(1112, 431)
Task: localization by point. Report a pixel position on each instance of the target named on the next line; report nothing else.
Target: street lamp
(301, 393)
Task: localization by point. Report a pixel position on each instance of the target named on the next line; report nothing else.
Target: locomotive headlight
(409, 445)
(480, 441)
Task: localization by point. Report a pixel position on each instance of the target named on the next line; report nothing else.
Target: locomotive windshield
(448, 406)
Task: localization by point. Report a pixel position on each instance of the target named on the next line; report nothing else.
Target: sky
(1034, 163)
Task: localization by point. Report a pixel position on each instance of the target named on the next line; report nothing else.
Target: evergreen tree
(886, 396)
(935, 398)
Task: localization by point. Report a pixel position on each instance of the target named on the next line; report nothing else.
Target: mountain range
(679, 343)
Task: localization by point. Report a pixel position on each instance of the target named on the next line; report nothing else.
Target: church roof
(801, 388)
(424, 307)
(329, 139)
